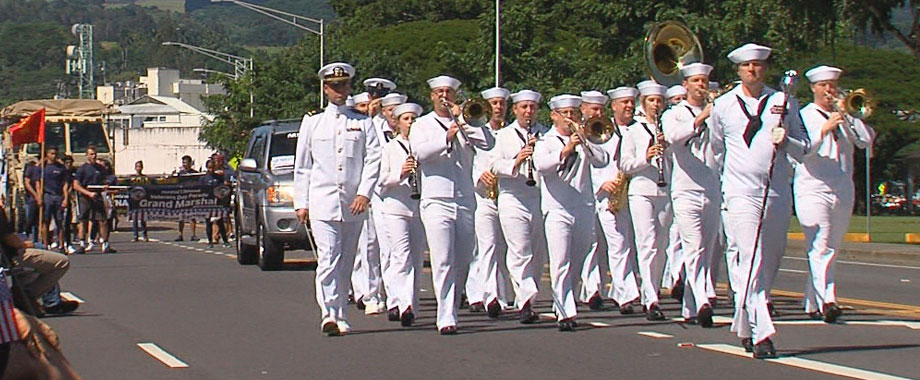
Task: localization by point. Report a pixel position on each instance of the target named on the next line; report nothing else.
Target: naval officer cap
(653, 89)
(496, 92)
(336, 72)
(393, 99)
(564, 101)
(379, 83)
(593, 97)
(749, 52)
(695, 68)
(407, 107)
(526, 96)
(823, 73)
(622, 92)
(676, 90)
(363, 97)
(443, 81)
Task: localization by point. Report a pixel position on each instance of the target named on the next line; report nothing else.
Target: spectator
(186, 169)
(91, 203)
(70, 217)
(139, 179)
(30, 177)
(213, 179)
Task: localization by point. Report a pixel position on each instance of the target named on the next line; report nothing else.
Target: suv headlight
(280, 194)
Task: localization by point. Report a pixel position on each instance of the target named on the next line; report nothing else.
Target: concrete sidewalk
(884, 253)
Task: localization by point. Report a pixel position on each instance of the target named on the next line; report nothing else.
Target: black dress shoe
(693, 321)
(408, 317)
(464, 302)
(567, 324)
(527, 315)
(764, 350)
(596, 302)
(713, 301)
(393, 314)
(773, 312)
(448, 330)
(477, 307)
(494, 309)
(748, 344)
(360, 304)
(705, 316)
(677, 292)
(627, 308)
(832, 312)
(351, 299)
(63, 307)
(654, 313)
(815, 316)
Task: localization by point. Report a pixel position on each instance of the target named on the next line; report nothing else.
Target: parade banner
(178, 202)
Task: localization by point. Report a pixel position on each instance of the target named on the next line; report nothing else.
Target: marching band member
(643, 155)
(563, 159)
(519, 203)
(676, 94)
(746, 131)
(485, 278)
(616, 233)
(385, 126)
(362, 100)
(824, 190)
(592, 105)
(445, 156)
(400, 214)
(335, 171)
(695, 188)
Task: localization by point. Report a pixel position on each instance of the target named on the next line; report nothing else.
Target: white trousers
(696, 214)
(366, 274)
(825, 218)
(407, 247)
(616, 236)
(674, 265)
(381, 226)
(336, 244)
(488, 275)
(523, 222)
(651, 216)
(752, 319)
(731, 252)
(449, 229)
(569, 239)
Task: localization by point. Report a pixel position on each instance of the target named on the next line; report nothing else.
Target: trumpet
(617, 198)
(856, 104)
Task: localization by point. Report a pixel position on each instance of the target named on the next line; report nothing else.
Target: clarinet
(660, 159)
(529, 162)
(415, 192)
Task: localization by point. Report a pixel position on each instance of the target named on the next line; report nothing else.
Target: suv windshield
(281, 153)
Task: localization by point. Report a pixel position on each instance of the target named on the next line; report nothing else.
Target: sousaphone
(669, 46)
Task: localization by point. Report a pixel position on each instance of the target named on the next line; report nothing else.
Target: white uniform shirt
(394, 189)
(608, 172)
(566, 185)
(508, 143)
(828, 166)
(692, 159)
(446, 168)
(744, 168)
(384, 135)
(483, 161)
(636, 140)
(337, 159)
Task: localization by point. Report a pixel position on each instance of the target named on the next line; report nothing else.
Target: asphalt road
(226, 321)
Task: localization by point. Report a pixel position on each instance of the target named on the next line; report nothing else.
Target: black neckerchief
(387, 135)
(754, 123)
(450, 146)
(403, 146)
(697, 134)
(569, 161)
(827, 117)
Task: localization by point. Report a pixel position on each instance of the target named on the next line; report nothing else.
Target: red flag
(29, 130)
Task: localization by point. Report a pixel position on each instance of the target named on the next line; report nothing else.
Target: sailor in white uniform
(824, 190)
(592, 282)
(335, 171)
(747, 130)
(564, 160)
(676, 94)
(444, 151)
(519, 201)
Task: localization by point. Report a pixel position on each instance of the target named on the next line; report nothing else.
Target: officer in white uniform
(592, 282)
(519, 200)
(676, 94)
(335, 171)
(695, 188)
(486, 273)
(824, 190)
(399, 212)
(745, 127)
(649, 204)
(616, 232)
(564, 160)
(445, 159)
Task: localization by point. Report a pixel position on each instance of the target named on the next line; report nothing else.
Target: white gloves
(779, 135)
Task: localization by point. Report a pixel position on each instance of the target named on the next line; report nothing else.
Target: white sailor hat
(653, 90)
(822, 73)
(695, 68)
(676, 90)
(350, 101)
(336, 72)
(526, 96)
(393, 99)
(363, 97)
(564, 101)
(645, 83)
(380, 83)
(496, 92)
(443, 81)
(714, 85)
(622, 92)
(594, 97)
(749, 52)
(407, 107)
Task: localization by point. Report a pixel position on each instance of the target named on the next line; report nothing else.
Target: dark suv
(264, 213)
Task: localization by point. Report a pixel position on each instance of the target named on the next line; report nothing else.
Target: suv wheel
(271, 254)
(245, 254)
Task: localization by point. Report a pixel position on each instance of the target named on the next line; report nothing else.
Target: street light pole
(498, 44)
(240, 66)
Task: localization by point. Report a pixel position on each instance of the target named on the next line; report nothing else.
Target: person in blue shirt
(211, 179)
(56, 182)
(30, 176)
(92, 206)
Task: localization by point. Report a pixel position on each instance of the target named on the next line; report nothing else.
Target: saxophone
(492, 191)
(617, 197)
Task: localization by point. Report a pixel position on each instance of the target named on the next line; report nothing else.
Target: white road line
(721, 319)
(793, 271)
(161, 355)
(859, 263)
(548, 316)
(598, 324)
(809, 364)
(656, 335)
(71, 297)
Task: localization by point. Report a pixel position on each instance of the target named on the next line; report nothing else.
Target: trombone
(596, 130)
(475, 112)
(856, 104)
